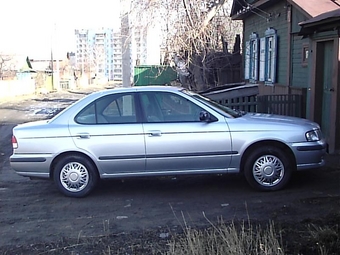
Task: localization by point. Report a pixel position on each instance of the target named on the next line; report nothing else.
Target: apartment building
(99, 53)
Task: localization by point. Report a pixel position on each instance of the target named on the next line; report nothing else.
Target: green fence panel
(145, 75)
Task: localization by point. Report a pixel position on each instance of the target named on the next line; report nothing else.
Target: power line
(251, 8)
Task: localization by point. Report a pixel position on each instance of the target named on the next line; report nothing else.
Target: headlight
(313, 135)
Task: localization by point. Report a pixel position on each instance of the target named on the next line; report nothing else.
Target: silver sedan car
(155, 131)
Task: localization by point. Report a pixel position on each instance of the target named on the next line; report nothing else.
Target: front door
(177, 141)
(324, 87)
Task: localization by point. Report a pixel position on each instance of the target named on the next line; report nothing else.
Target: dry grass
(326, 238)
(227, 239)
(221, 238)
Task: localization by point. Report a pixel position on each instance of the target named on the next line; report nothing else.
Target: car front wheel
(75, 176)
(268, 168)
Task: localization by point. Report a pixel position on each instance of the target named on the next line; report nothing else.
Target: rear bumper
(31, 165)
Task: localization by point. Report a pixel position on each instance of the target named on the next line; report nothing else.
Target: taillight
(14, 142)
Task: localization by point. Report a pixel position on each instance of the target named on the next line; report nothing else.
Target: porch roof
(323, 22)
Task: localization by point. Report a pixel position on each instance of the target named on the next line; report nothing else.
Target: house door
(324, 87)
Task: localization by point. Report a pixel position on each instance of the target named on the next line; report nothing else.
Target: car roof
(89, 98)
(139, 88)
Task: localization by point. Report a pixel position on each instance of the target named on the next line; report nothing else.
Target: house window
(305, 54)
(268, 57)
(251, 59)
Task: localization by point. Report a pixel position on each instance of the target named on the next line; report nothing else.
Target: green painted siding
(278, 20)
(299, 72)
(297, 17)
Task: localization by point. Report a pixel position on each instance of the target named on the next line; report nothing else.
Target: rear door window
(112, 109)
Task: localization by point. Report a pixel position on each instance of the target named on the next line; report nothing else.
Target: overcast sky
(28, 26)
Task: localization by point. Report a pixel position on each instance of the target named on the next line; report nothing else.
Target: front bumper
(309, 155)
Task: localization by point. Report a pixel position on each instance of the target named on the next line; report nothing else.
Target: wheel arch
(273, 143)
(71, 153)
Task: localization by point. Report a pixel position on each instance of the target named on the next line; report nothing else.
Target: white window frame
(251, 66)
(305, 54)
(268, 57)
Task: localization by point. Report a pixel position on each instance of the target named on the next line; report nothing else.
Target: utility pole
(125, 32)
(52, 68)
(57, 76)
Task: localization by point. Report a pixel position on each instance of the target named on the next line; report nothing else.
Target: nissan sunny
(156, 131)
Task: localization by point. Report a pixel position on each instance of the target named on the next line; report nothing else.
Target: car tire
(268, 168)
(75, 176)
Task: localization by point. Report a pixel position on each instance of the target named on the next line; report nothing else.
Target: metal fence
(290, 105)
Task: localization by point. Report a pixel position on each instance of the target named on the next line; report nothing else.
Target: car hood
(266, 118)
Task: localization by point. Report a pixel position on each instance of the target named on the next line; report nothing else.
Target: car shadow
(172, 185)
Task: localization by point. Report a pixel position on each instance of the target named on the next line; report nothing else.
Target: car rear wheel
(75, 176)
(268, 168)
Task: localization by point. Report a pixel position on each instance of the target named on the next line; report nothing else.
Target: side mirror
(205, 116)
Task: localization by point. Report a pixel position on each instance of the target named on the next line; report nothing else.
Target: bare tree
(86, 66)
(98, 60)
(5, 67)
(193, 30)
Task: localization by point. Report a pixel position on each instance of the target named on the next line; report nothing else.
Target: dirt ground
(133, 215)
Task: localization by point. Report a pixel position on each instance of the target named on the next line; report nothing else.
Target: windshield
(214, 104)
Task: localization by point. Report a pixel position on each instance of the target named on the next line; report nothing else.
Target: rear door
(175, 138)
(109, 129)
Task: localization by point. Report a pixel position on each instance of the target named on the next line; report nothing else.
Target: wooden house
(293, 47)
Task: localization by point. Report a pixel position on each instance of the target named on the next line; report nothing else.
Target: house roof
(311, 8)
(16, 63)
(41, 65)
(314, 8)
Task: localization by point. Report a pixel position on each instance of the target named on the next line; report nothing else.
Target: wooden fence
(245, 103)
(290, 105)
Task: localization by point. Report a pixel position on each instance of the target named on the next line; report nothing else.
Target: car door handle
(83, 135)
(155, 133)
